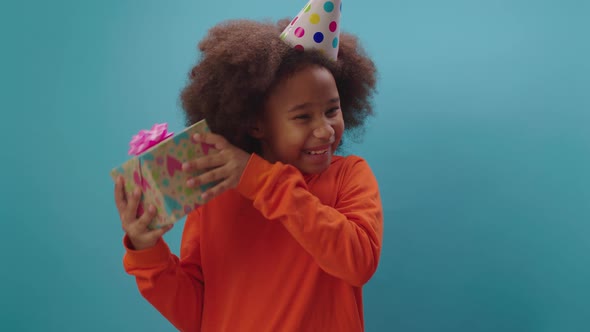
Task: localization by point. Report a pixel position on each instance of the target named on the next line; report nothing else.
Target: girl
(291, 232)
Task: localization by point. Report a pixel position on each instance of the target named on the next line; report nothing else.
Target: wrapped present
(157, 169)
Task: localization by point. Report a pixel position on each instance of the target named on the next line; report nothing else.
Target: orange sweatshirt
(281, 252)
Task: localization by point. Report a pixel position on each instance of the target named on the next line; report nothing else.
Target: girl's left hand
(226, 166)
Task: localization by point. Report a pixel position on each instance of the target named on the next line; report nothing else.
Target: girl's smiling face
(302, 123)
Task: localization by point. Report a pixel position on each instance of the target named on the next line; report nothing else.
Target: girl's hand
(136, 227)
(226, 166)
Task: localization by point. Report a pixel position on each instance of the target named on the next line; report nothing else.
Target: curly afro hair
(241, 61)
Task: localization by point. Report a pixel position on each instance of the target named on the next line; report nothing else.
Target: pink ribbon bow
(145, 139)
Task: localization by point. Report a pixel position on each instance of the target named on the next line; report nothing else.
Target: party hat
(317, 26)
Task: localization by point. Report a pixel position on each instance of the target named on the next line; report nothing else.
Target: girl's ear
(256, 133)
(256, 130)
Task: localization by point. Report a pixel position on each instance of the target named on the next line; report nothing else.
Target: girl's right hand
(135, 227)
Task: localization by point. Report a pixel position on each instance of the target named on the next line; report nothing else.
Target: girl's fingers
(120, 199)
(130, 213)
(203, 163)
(155, 234)
(141, 226)
(213, 139)
(217, 190)
(213, 175)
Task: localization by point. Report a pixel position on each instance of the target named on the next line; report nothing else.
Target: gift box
(157, 169)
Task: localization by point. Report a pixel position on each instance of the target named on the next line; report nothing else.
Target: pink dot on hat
(299, 47)
(299, 32)
(333, 26)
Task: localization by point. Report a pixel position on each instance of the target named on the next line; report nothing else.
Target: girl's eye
(332, 111)
(302, 116)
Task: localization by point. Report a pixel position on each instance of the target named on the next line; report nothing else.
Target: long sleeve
(173, 286)
(344, 240)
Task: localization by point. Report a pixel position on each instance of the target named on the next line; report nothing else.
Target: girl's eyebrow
(334, 100)
(299, 107)
(306, 105)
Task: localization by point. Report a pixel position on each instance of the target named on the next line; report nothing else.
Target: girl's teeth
(317, 152)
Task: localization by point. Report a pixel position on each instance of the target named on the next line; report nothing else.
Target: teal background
(481, 146)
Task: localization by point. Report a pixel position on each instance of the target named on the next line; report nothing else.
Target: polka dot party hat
(317, 26)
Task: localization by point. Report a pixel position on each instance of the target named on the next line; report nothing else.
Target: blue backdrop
(481, 145)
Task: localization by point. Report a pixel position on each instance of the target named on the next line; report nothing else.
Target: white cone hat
(317, 26)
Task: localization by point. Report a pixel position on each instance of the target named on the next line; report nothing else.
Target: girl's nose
(325, 131)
